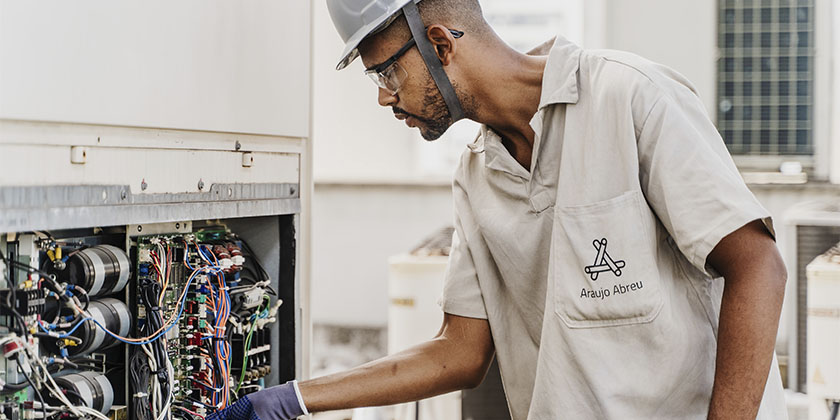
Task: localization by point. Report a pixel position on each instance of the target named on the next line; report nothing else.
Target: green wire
(248, 344)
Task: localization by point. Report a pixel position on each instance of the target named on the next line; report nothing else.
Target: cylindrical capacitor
(110, 313)
(93, 388)
(100, 270)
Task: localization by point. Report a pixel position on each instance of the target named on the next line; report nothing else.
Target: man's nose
(387, 98)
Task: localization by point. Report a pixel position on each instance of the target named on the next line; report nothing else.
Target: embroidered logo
(603, 261)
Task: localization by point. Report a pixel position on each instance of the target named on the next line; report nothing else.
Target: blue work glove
(277, 403)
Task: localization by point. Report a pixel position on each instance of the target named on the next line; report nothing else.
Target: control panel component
(163, 326)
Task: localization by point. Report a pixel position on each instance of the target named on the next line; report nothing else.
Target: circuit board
(147, 327)
(213, 320)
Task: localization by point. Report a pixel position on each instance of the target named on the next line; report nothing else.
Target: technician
(606, 249)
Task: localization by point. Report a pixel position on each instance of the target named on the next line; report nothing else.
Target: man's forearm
(749, 319)
(436, 367)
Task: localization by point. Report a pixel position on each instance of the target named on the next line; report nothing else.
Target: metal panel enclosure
(196, 65)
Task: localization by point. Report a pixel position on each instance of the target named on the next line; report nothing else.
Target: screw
(144, 185)
(200, 184)
(238, 145)
(292, 189)
(230, 192)
(123, 195)
(139, 228)
(177, 226)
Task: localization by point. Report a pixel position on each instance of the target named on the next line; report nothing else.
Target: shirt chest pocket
(603, 268)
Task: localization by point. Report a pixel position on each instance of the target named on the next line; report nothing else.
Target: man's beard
(433, 104)
(439, 120)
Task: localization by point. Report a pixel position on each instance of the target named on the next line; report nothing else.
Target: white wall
(679, 34)
(834, 109)
(196, 65)
(356, 228)
(358, 141)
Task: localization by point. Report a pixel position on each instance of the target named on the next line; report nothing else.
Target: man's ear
(443, 41)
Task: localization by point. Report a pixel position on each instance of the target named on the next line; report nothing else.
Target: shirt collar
(560, 81)
(559, 85)
(496, 156)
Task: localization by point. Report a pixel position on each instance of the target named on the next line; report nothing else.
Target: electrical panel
(218, 301)
(123, 323)
(153, 206)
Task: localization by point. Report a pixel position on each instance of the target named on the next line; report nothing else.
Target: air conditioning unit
(154, 188)
(811, 229)
(824, 333)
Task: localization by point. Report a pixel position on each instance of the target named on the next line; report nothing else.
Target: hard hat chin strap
(427, 51)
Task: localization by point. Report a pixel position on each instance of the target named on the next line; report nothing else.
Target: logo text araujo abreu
(618, 289)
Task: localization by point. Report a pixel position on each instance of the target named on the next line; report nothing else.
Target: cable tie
(140, 395)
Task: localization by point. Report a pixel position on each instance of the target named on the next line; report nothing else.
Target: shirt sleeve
(461, 291)
(689, 178)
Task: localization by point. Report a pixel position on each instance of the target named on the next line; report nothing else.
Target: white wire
(77, 410)
(93, 413)
(28, 353)
(161, 412)
(155, 394)
(166, 413)
(251, 286)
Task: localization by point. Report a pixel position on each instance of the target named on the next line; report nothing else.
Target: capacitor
(110, 313)
(92, 388)
(100, 270)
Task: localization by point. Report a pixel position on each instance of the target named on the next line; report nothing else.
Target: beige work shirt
(591, 268)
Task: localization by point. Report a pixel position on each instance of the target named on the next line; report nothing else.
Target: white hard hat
(356, 19)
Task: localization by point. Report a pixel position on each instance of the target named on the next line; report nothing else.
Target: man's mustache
(404, 112)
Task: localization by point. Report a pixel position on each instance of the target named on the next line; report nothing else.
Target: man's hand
(457, 358)
(275, 403)
(755, 276)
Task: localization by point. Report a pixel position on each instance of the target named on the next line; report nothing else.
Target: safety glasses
(390, 75)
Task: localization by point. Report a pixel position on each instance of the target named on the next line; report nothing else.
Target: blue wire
(72, 330)
(220, 296)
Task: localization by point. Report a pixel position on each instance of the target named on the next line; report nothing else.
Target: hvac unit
(823, 370)
(811, 229)
(153, 205)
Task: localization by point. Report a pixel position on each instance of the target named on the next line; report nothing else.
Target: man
(606, 249)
